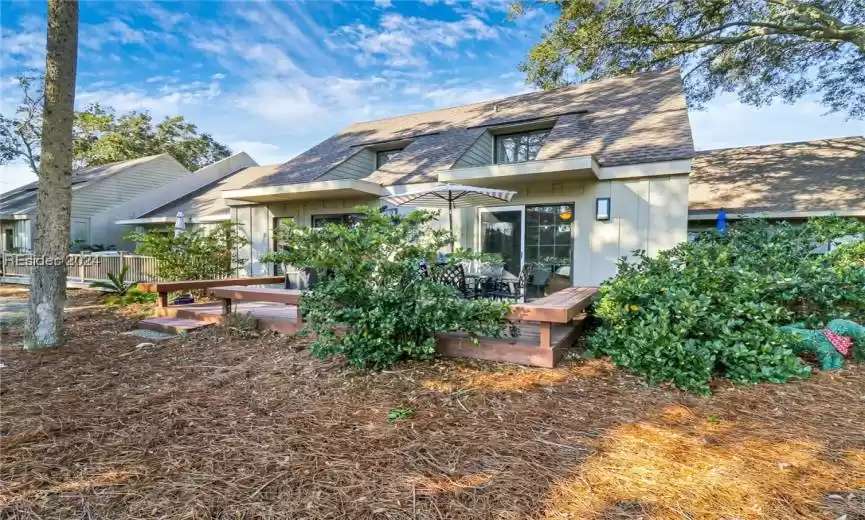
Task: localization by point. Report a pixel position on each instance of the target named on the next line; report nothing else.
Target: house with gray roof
(94, 191)
(599, 169)
(105, 194)
(789, 181)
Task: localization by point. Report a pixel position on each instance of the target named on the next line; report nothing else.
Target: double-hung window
(519, 147)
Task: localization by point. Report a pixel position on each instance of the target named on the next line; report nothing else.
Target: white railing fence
(87, 267)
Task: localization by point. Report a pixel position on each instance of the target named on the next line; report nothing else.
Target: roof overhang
(550, 169)
(338, 189)
(704, 215)
(170, 220)
(13, 216)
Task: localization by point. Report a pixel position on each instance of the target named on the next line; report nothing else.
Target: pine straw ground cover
(220, 425)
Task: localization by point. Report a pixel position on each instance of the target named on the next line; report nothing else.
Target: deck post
(546, 334)
(226, 306)
(162, 300)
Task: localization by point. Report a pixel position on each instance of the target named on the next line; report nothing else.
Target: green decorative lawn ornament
(840, 338)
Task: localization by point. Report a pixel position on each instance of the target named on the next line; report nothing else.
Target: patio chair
(514, 290)
(539, 280)
(452, 275)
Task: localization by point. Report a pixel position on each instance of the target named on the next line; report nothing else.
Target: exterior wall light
(602, 208)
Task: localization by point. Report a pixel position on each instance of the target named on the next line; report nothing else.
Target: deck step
(172, 325)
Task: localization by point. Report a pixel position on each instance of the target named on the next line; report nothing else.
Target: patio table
(476, 280)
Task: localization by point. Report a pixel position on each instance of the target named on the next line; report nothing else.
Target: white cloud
(384, 4)
(170, 102)
(466, 94)
(24, 49)
(158, 79)
(95, 36)
(218, 75)
(164, 18)
(401, 41)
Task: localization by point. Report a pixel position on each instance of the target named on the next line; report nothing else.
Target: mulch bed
(228, 424)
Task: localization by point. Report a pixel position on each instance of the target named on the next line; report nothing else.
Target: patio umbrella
(451, 196)
(721, 224)
(179, 224)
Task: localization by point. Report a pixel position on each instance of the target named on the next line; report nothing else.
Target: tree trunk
(54, 190)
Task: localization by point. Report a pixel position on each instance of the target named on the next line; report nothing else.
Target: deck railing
(87, 267)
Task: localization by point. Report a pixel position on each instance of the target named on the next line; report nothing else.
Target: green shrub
(130, 297)
(116, 284)
(371, 304)
(195, 254)
(712, 307)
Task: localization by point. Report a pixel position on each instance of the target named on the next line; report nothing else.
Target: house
(600, 169)
(94, 190)
(104, 194)
(200, 202)
(789, 181)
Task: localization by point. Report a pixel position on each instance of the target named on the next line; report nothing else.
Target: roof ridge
(807, 141)
(514, 96)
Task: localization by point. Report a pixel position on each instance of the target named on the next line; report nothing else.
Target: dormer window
(385, 156)
(519, 147)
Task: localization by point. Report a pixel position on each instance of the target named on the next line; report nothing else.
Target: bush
(374, 307)
(116, 283)
(130, 297)
(195, 254)
(712, 307)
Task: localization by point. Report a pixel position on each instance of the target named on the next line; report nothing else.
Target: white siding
(357, 166)
(479, 154)
(254, 222)
(648, 214)
(97, 197)
(177, 187)
(21, 237)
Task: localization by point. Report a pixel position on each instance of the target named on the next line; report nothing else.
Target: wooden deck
(525, 349)
(269, 316)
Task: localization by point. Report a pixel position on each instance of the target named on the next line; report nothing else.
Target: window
(346, 219)
(521, 147)
(385, 156)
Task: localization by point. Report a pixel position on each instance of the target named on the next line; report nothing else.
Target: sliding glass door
(539, 235)
(549, 247)
(501, 231)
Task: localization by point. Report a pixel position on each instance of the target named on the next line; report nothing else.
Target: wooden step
(172, 325)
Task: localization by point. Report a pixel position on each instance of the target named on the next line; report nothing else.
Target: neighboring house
(200, 202)
(789, 181)
(600, 169)
(104, 195)
(95, 191)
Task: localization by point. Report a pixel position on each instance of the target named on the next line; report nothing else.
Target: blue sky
(274, 78)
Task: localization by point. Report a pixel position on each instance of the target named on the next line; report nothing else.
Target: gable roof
(23, 199)
(634, 119)
(207, 201)
(812, 176)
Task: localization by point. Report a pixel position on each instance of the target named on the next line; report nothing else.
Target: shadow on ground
(220, 426)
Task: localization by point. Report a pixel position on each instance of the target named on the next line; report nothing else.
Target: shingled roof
(628, 120)
(821, 175)
(207, 201)
(23, 198)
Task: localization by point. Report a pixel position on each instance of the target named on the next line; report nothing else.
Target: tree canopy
(762, 50)
(102, 136)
